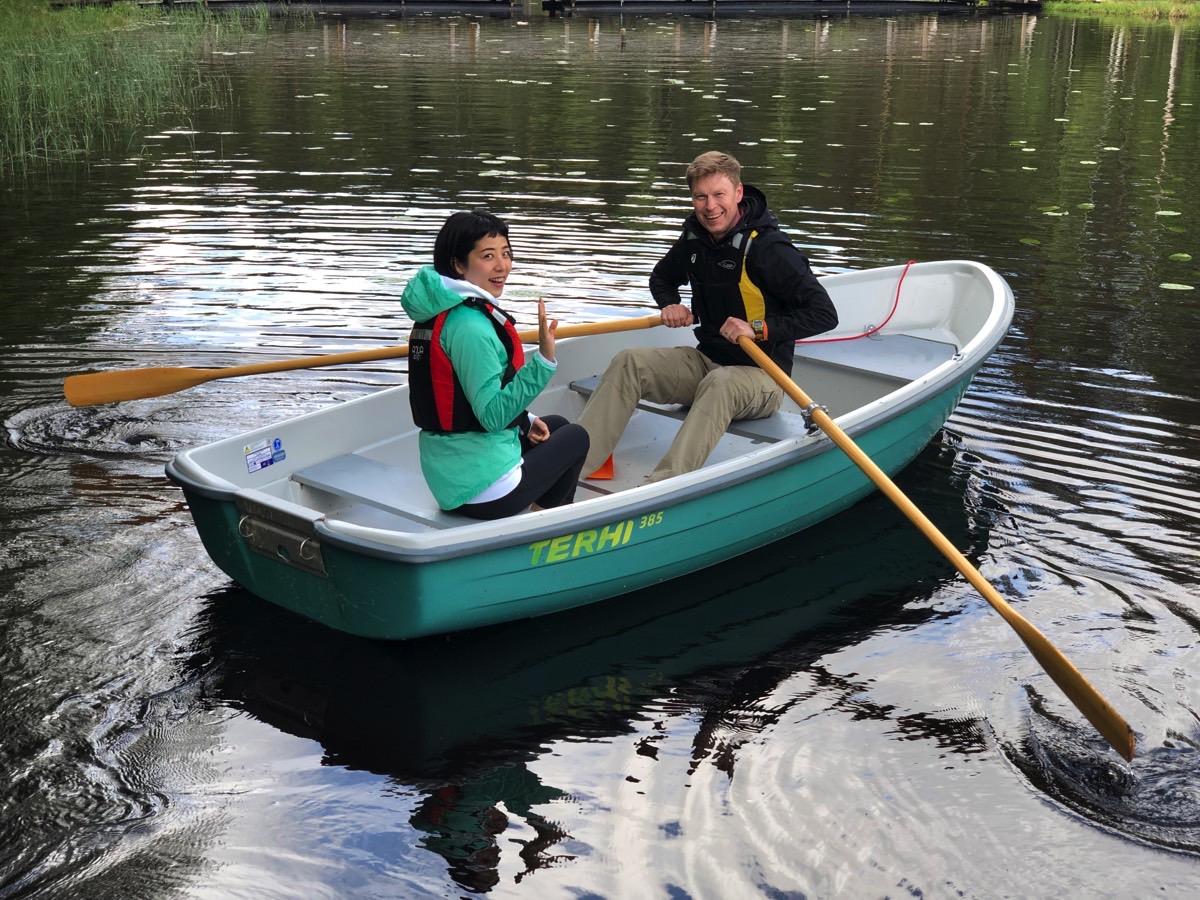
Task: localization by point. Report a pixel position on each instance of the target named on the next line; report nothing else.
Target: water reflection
(460, 717)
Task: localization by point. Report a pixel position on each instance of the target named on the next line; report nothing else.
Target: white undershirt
(506, 485)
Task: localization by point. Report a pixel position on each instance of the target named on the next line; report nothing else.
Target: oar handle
(1079, 691)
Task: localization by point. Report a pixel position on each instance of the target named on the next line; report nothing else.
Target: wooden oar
(1085, 697)
(136, 384)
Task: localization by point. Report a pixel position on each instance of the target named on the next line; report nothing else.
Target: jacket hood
(429, 293)
(755, 213)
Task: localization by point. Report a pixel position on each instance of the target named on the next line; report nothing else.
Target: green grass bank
(1136, 10)
(79, 80)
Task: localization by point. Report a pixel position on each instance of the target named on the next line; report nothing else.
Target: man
(747, 279)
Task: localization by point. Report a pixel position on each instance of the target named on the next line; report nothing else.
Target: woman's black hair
(458, 237)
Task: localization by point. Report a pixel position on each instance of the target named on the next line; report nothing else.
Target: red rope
(855, 337)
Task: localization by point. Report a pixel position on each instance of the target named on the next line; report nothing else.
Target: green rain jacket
(461, 465)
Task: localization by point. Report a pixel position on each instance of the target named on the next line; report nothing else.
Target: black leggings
(549, 473)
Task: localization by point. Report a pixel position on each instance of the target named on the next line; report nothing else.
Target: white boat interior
(364, 471)
(385, 478)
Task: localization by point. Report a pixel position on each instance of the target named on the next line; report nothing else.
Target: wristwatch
(760, 330)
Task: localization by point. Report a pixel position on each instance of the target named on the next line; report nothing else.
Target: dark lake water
(842, 715)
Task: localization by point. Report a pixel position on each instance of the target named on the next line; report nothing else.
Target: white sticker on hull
(263, 453)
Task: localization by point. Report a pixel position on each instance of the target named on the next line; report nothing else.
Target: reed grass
(1146, 10)
(81, 79)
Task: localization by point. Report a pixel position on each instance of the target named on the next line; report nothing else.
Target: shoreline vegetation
(1135, 10)
(78, 80)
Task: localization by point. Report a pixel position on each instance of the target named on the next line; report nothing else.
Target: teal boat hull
(374, 593)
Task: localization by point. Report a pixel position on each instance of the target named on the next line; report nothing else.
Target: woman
(482, 453)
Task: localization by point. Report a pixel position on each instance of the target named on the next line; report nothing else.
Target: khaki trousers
(716, 394)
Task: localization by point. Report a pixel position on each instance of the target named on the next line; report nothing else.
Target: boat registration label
(263, 453)
(594, 540)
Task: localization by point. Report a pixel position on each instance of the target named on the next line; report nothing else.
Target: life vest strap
(752, 296)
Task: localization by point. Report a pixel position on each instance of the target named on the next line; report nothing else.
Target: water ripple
(1155, 799)
(94, 431)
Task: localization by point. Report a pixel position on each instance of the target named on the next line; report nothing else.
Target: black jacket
(797, 305)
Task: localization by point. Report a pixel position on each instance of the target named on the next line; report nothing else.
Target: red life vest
(435, 395)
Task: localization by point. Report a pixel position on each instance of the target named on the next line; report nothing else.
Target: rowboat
(327, 514)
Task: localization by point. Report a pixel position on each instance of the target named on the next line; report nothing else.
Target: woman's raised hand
(546, 332)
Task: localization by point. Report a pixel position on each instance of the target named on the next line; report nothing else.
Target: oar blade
(1079, 691)
(95, 388)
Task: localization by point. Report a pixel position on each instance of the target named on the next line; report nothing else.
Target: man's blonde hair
(714, 162)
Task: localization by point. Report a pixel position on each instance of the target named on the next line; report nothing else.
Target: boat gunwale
(417, 548)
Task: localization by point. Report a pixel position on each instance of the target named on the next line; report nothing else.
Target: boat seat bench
(778, 427)
(898, 356)
(389, 488)
(403, 492)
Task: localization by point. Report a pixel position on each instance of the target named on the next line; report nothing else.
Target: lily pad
(1169, 286)
(1086, 206)
(1168, 212)
(1180, 257)
(1032, 242)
